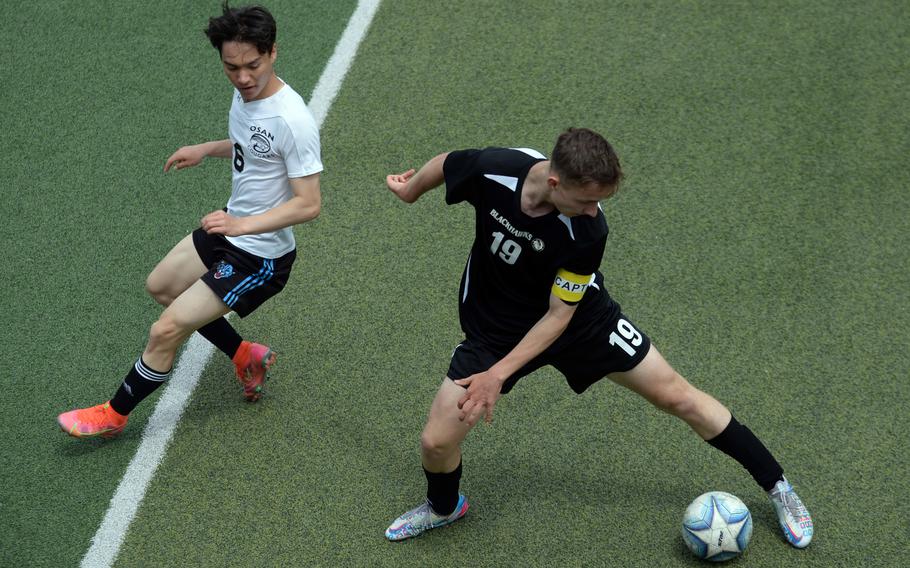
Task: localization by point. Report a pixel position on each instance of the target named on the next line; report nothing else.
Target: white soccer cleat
(422, 518)
(792, 515)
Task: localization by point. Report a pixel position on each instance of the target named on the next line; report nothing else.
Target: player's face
(572, 199)
(247, 69)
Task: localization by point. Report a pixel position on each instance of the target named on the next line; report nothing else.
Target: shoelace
(791, 501)
(98, 417)
(796, 508)
(419, 512)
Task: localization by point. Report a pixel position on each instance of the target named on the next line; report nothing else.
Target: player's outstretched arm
(410, 185)
(189, 156)
(483, 388)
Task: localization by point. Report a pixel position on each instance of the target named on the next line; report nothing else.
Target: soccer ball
(717, 526)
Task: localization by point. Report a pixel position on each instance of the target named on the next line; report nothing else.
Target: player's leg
(187, 262)
(244, 282)
(655, 380)
(193, 308)
(440, 441)
(440, 448)
(440, 452)
(180, 269)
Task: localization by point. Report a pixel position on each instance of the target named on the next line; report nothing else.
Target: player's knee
(158, 291)
(166, 330)
(435, 447)
(676, 397)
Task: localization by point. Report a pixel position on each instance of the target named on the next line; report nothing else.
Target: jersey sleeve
(578, 272)
(460, 170)
(300, 146)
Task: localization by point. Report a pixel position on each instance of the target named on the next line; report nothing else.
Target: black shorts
(242, 280)
(612, 345)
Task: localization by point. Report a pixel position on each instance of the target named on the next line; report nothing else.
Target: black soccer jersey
(517, 261)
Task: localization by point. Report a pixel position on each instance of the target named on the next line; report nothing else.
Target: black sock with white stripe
(140, 382)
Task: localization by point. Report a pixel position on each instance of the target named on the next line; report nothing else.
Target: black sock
(442, 490)
(222, 335)
(741, 444)
(140, 382)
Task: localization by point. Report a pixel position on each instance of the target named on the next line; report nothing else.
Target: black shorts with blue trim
(584, 356)
(242, 280)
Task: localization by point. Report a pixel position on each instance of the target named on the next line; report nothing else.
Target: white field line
(160, 428)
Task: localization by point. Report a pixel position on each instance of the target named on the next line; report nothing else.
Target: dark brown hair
(582, 156)
(250, 24)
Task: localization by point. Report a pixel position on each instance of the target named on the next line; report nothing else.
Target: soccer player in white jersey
(240, 255)
(532, 295)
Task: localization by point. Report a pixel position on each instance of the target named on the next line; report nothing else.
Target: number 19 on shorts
(628, 337)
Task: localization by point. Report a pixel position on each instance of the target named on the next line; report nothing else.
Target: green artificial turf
(760, 240)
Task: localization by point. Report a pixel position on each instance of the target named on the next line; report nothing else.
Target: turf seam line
(161, 425)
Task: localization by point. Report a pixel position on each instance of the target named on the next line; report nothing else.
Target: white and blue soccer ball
(717, 526)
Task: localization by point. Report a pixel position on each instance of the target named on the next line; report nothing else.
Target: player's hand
(479, 398)
(398, 183)
(185, 157)
(219, 222)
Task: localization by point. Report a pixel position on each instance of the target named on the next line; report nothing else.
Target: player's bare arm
(189, 156)
(483, 388)
(304, 206)
(410, 185)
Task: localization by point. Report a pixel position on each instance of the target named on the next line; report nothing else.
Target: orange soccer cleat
(100, 420)
(251, 363)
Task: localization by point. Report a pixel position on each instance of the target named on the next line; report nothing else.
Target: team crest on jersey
(223, 270)
(537, 245)
(261, 142)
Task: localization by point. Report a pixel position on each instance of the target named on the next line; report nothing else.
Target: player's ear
(274, 52)
(552, 180)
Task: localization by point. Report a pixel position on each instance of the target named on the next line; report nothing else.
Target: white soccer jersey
(274, 139)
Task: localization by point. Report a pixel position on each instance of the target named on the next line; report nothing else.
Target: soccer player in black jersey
(531, 295)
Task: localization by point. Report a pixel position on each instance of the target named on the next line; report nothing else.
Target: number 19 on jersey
(627, 335)
(509, 251)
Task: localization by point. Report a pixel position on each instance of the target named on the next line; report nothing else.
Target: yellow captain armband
(569, 286)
